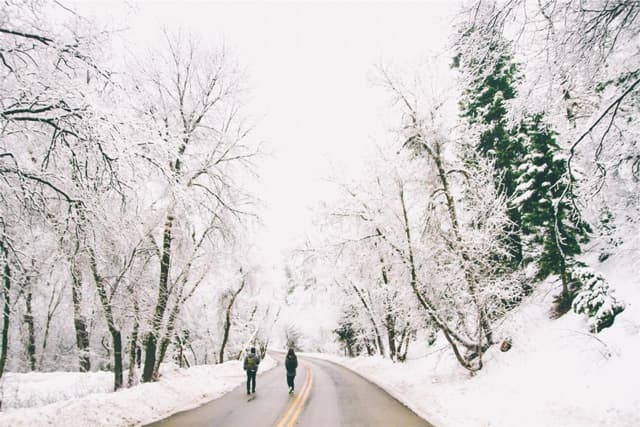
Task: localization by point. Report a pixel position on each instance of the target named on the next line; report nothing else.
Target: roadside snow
(39, 389)
(556, 374)
(177, 390)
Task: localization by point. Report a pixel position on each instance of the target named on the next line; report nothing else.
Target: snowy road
(326, 395)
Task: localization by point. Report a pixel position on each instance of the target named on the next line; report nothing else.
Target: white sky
(310, 67)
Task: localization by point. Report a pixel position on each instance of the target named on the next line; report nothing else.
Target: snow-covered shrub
(596, 299)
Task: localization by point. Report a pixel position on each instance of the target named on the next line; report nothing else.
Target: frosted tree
(596, 299)
(464, 297)
(55, 152)
(582, 71)
(228, 301)
(551, 226)
(192, 101)
(573, 111)
(372, 278)
(109, 182)
(490, 78)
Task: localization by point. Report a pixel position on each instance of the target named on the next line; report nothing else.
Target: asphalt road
(326, 395)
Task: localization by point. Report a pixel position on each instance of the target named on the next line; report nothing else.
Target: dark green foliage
(347, 337)
(607, 230)
(596, 299)
(545, 227)
(563, 301)
(484, 104)
(550, 226)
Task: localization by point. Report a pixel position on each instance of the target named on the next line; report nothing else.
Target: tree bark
(6, 311)
(151, 342)
(372, 319)
(390, 318)
(391, 335)
(51, 309)
(403, 344)
(406, 339)
(116, 336)
(31, 336)
(166, 340)
(79, 323)
(133, 343)
(227, 320)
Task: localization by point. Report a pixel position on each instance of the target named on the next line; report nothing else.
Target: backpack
(252, 363)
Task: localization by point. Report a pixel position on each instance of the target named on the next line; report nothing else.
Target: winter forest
(499, 210)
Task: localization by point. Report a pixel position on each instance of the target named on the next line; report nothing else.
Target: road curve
(326, 395)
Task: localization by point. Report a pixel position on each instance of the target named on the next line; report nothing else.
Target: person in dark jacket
(291, 363)
(251, 362)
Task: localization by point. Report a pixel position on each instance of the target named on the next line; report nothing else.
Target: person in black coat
(291, 363)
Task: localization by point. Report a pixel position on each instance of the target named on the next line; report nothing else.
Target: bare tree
(196, 116)
(227, 313)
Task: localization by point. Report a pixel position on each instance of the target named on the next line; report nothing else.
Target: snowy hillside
(556, 373)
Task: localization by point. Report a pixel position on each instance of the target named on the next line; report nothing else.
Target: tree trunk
(564, 279)
(151, 342)
(391, 335)
(401, 342)
(407, 340)
(116, 336)
(390, 318)
(180, 351)
(424, 302)
(484, 323)
(370, 350)
(6, 312)
(79, 323)
(372, 319)
(166, 339)
(45, 338)
(31, 336)
(133, 344)
(227, 320)
(442, 174)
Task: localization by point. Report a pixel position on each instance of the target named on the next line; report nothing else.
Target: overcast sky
(310, 67)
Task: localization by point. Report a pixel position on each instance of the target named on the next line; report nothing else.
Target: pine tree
(493, 83)
(551, 228)
(596, 299)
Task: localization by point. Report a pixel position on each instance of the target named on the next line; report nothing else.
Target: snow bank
(177, 390)
(39, 389)
(556, 374)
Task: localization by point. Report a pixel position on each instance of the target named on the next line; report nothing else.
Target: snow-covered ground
(85, 400)
(556, 374)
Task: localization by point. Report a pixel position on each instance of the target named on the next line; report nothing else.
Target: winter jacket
(251, 362)
(291, 363)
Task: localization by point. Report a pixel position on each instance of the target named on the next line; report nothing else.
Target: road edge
(388, 388)
(208, 400)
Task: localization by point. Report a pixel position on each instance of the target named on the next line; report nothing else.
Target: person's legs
(253, 382)
(289, 381)
(248, 381)
(293, 386)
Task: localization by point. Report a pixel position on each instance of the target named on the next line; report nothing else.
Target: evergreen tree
(347, 337)
(551, 228)
(493, 83)
(596, 299)
(528, 170)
